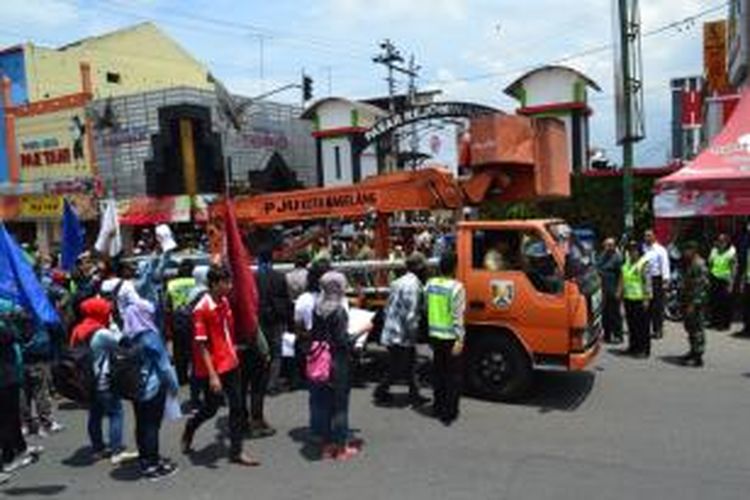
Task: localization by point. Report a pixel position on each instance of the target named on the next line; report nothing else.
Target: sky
(470, 49)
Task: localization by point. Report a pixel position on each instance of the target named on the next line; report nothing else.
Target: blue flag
(73, 241)
(19, 284)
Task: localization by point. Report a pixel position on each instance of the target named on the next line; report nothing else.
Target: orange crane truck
(533, 296)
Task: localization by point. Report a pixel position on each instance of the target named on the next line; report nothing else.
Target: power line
(585, 52)
(310, 41)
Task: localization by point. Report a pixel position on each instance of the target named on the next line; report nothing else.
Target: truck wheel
(497, 368)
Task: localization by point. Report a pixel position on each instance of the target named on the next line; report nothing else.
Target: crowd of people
(637, 277)
(129, 332)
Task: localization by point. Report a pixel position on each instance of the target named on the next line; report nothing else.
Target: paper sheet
(360, 320)
(172, 410)
(287, 345)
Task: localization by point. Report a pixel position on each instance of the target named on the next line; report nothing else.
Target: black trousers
(182, 352)
(11, 437)
(721, 304)
(746, 308)
(148, 417)
(637, 318)
(231, 388)
(656, 307)
(254, 378)
(612, 317)
(447, 380)
(402, 362)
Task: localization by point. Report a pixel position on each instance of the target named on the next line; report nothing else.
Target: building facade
(738, 40)
(176, 141)
(103, 116)
(559, 92)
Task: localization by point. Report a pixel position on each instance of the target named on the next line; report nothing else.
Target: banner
(35, 207)
(53, 145)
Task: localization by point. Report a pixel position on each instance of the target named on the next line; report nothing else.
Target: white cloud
(390, 9)
(44, 13)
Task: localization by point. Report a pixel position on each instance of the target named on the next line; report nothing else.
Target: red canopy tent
(717, 182)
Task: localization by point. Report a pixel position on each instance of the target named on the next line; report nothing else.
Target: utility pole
(630, 119)
(389, 58)
(413, 73)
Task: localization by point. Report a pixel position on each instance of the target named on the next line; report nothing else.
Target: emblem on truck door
(503, 293)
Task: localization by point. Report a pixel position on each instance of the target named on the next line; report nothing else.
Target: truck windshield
(579, 262)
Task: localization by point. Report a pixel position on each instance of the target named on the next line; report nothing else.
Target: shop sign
(321, 203)
(261, 139)
(53, 145)
(127, 135)
(424, 112)
(715, 56)
(51, 206)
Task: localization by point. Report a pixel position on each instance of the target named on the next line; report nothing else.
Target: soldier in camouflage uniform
(694, 297)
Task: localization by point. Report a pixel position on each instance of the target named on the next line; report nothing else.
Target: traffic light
(307, 88)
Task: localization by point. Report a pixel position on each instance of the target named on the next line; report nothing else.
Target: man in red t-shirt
(216, 359)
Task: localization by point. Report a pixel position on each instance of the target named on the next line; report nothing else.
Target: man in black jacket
(275, 313)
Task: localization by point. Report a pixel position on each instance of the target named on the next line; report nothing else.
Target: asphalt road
(628, 429)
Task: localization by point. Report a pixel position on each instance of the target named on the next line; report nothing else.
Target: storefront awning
(717, 182)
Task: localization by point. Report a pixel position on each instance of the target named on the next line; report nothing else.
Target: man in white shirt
(658, 269)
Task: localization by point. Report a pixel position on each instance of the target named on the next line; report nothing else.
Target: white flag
(109, 241)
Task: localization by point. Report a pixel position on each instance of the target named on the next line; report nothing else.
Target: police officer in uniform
(722, 265)
(635, 290)
(446, 304)
(694, 292)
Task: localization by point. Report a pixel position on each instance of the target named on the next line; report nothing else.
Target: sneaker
(245, 460)
(161, 471)
(21, 461)
(347, 453)
(34, 449)
(5, 477)
(328, 451)
(123, 456)
(54, 427)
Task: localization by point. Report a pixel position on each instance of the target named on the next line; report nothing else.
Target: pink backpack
(319, 362)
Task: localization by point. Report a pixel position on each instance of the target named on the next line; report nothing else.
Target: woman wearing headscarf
(330, 399)
(95, 331)
(159, 378)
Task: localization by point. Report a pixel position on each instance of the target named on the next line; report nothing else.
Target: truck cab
(533, 300)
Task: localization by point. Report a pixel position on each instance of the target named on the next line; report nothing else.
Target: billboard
(53, 145)
(715, 57)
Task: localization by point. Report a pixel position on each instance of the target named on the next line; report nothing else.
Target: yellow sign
(53, 146)
(51, 206)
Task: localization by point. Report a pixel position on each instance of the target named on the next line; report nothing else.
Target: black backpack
(73, 374)
(111, 296)
(125, 369)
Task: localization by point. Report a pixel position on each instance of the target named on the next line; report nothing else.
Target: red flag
(245, 291)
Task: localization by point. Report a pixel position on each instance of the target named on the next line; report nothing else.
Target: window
(525, 251)
(113, 77)
(497, 250)
(337, 160)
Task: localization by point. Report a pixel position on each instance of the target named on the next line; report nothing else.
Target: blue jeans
(105, 404)
(329, 413)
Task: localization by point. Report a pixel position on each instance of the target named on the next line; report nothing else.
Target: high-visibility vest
(440, 293)
(179, 289)
(721, 263)
(632, 280)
